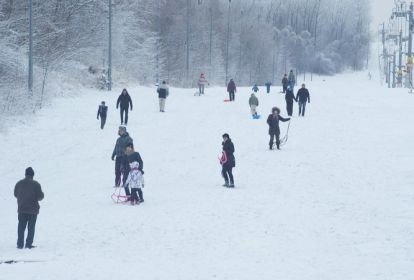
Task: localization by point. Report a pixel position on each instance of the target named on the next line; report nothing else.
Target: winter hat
(226, 135)
(164, 82)
(134, 164)
(29, 172)
(103, 102)
(275, 109)
(123, 128)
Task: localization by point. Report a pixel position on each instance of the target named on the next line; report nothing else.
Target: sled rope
(285, 138)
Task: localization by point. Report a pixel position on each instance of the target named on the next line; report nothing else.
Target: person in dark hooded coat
(289, 97)
(227, 161)
(274, 129)
(124, 101)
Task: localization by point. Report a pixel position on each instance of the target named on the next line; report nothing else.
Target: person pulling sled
(274, 129)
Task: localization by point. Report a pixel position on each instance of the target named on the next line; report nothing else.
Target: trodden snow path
(337, 202)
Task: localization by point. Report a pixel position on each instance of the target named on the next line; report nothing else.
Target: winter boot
(278, 145)
(141, 196)
(226, 184)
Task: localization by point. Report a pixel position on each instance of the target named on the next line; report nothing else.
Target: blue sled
(256, 117)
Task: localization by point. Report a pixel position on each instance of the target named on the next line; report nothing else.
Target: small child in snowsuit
(102, 111)
(255, 88)
(135, 181)
(253, 102)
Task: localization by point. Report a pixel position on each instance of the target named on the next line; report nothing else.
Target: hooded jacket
(135, 178)
(273, 122)
(28, 193)
(121, 143)
(124, 100)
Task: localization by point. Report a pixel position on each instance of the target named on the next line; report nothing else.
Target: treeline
(255, 41)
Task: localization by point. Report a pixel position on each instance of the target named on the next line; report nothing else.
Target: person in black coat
(274, 130)
(285, 83)
(102, 111)
(289, 97)
(28, 193)
(302, 96)
(227, 161)
(124, 100)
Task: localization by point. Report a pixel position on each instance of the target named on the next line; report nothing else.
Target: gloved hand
(112, 157)
(142, 171)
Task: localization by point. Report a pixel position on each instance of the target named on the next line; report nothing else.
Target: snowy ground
(337, 202)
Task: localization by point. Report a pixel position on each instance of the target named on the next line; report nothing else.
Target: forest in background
(256, 41)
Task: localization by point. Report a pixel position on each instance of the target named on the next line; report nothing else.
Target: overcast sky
(381, 11)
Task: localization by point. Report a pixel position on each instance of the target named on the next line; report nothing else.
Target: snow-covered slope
(337, 202)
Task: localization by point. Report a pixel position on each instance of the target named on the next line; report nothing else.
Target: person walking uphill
(231, 89)
(253, 102)
(121, 160)
(102, 112)
(227, 161)
(285, 83)
(292, 80)
(28, 193)
(163, 92)
(274, 130)
(124, 101)
(289, 97)
(302, 96)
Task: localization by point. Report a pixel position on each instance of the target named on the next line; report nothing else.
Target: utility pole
(384, 54)
(187, 61)
(157, 66)
(410, 29)
(393, 69)
(227, 43)
(400, 53)
(30, 82)
(410, 44)
(110, 47)
(211, 39)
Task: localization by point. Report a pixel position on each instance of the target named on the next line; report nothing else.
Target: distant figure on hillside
(292, 80)
(231, 89)
(163, 92)
(138, 178)
(124, 100)
(102, 111)
(268, 84)
(255, 88)
(285, 83)
(274, 130)
(227, 161)
(202, 82)
(302, 96)
(289, 97)
(253, 103)
(28, 193)
(121, 161)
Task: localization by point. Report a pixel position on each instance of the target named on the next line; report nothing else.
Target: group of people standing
(128, 162)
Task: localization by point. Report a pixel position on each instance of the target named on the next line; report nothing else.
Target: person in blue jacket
(255, 88)
(268, 84)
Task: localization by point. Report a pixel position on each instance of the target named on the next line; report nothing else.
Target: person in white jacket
(135, 181)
